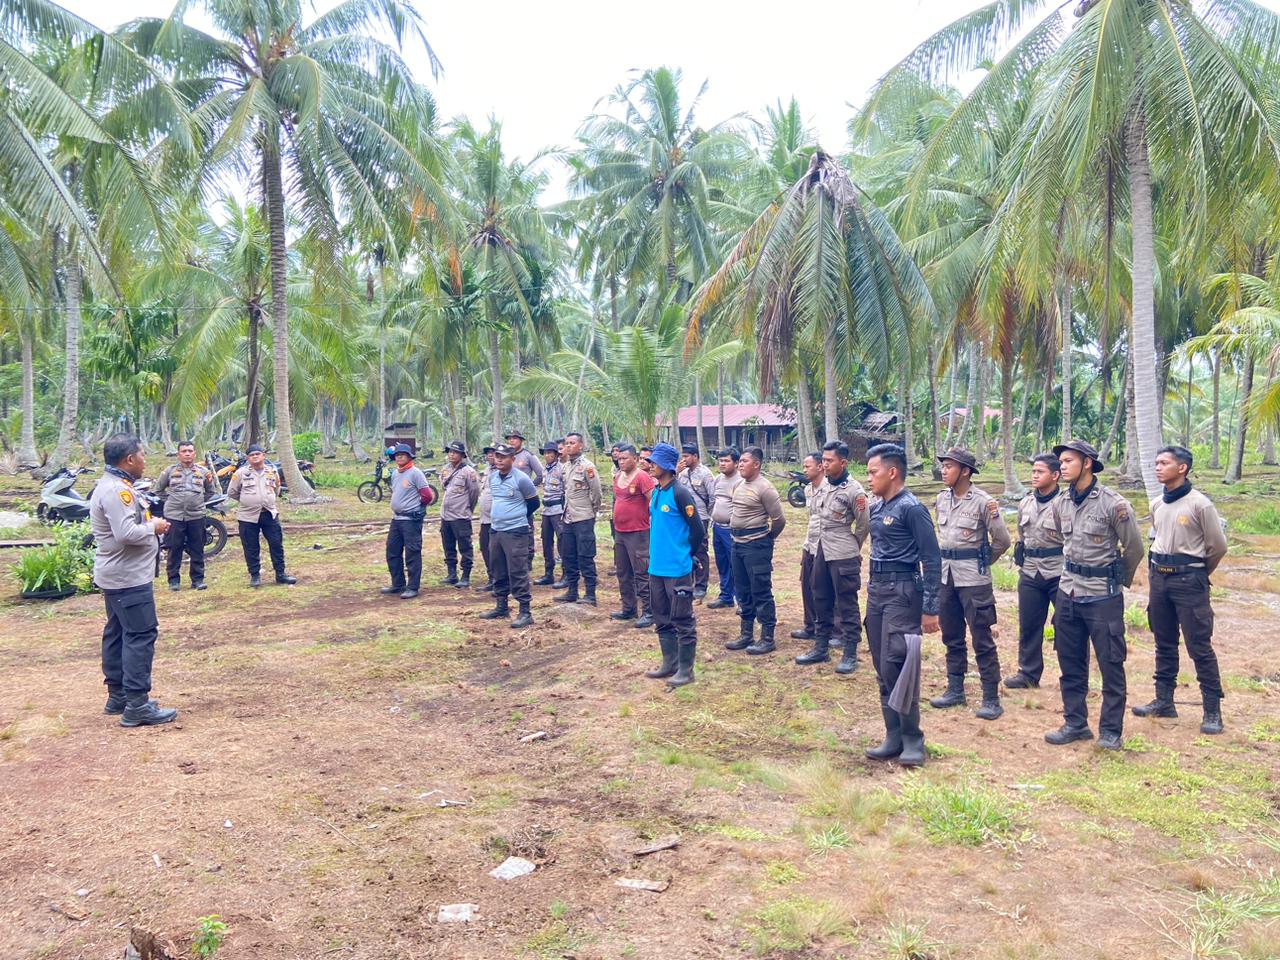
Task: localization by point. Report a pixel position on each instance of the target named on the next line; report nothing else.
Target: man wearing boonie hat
(459, 492)
(527, 462)
(971, 537)
(486, 522)
(1101, 547)
(404, 536)
(552, 510)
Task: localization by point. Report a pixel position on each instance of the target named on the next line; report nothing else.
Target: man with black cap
(702, 484)
(255, 488)
(971, 536)
(674, 534)
(515, 499)
(756, 521)
(721, 513)
(552, 510)
(124, 566)
(1038, 554)
(581, 504)
(459, 493)
(1188, 543)
(902, 600)
(1102, 548)
(527, 463)
(486, 521)
(404, 535)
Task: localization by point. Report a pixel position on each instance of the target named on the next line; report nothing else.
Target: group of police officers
(1078, 547)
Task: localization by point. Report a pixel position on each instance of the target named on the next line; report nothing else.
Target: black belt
(1041, 552)
(891, 575)
(960, 554)
(1085, 571)
(1174, 562)
(747, 531)
(894, 570)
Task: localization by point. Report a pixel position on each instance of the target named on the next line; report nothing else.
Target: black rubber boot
(913, 753)
(451, 575)
(820, 653)
(802, 634)
(143, 712)
(849, 659)
(588, 597)
(1212, 722)
(892, 745)
(670, 656)
(1161, 706)
(990, 709)
(745, 635)
(524, 620)
(684, 665)
(765, 644)
(954, 697)
(569, 596)
(500, 610)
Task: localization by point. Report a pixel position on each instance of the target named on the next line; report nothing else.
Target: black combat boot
(394, 588)
(255, 580)
(623, 614)
(892, 745)
(1020, 681)
(175, 585)
(818, 654)
(143, 712)
(560, 584)
(670, 656)
(569, 596)
(198, 585)
(500, 610)
(719, 602)
(954, 697)
(990, 709)
(286, 579)
(1161, 706)
(765, 644)
(802, 634)
(589, 596)
(684, 665)
(645, 621)
(408, 593)
(116, 702)
(464, 581)
(912, 739)
(849, 659)
(1068, 734)
(451, 575)
(524, 620)
(545, 580)
(486, 587)
(745, 635)
(1212, 722)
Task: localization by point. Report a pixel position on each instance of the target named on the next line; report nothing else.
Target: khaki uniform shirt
(702, 484)
(810, 545)
(581, 490)
(756, 507)
(1190, 525)
(255, 491)
(553, 490)
(126, 543)
(189, 487)
(843, 519)
(1038, 530)
(486, 501)
(969, 523)
(528, 463)
(459, 491)
(1093, 533)
(722, 505)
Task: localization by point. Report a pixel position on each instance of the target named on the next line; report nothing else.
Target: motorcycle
(795, 489)
(215, 530)
(223, 468)
(60, 502)
(371, 490)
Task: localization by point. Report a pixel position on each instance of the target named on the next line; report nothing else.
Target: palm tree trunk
(71, 378)
(804, 416)
(1269, 430)
(720, 404)
(1022, 411)
(1065, 312)
(273, 189)
(252, 412)
(829, 385)
(1045, 396)
(980, 410)
(1235, 469)
(951, 406)
(27, 455)
(495, 375)
(1122, 402)
(1133, 462)
(1215, 461)
(1186, 432)
(697, 408)
(1145, 374)
(1012, 485)
(933, 398)
(967, 425)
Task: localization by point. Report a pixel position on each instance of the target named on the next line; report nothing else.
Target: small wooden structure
(403, 432)
(878, 426)
(763, 425)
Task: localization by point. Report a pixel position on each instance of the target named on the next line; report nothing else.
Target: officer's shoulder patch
(860, 502)
(688, 510)
(1122, 512)
(126, 497)
(993, 508)
(591, 471)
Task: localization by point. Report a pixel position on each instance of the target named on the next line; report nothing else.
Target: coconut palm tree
(321, 100)
(1145, 87)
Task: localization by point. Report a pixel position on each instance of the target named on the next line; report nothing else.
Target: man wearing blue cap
(404, 538)
(676, 533)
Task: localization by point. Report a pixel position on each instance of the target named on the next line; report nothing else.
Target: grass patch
(735, 832)
(555, 939)
(1214, 918)
(966, 813)
(1005, 576)
(796, 924)
(1265, 731)
(910, 941)
(1136, 617)
(782, 872)
(832, 796)
(832, 837)
(1265, 520)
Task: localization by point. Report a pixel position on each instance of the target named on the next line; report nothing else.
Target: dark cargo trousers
(552, 530)
(834, 586)
(269, 527)
(1034, 596)
(893, 611)
(455, 538)
(806, 588)
(1075, 626)
(631, 560)
(188, 535)
(129, 640)
(578, 553)
(509, 554)
(404, 552)
(753, 580)
(1180, 602)
(976, 608)
(672, 607)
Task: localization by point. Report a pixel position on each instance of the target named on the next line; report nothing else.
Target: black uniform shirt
(902, 532)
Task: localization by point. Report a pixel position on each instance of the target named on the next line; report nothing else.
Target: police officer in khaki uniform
(1188, 543)
(255, 487)
(972, 536)
(1102, 549)
(459, 493)
(756, 522)
(552, 510)
(124, 566)
(1038, 554)
(189, 485)
(811, 467)
(840, 504)
(581, 504)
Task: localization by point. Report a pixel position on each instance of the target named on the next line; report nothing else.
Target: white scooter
(60, 502)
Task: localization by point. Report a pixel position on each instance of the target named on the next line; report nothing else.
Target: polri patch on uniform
(993, 508)
(860, 503)
(126, 497)
(591, 471)
(1122, 513)
(689, 510)
(888, 521)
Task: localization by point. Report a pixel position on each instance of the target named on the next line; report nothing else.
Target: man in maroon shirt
(631, 488)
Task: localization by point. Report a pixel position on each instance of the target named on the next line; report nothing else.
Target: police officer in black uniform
(902, 600)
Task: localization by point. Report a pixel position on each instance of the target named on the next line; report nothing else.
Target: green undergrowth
(794, 926)
(965, 813)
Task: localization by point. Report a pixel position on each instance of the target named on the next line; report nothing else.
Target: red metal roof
(736, 415)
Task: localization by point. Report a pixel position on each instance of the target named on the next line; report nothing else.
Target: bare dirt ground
(299, 795)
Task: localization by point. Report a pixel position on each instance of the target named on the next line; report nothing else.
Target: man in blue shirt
(515, 499)
(675, 535)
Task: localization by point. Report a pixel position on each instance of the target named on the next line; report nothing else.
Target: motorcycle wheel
(795, 497)
(215, 536)
(369, 492)
(435, 493)
(42, 513)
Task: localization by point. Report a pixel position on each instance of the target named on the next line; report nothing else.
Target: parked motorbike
(225, 467)
(796, 495)
(215, 531)
(371, 491)
(60, 502)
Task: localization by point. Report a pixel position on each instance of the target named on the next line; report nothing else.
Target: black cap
(505, 450)
(254, 448)
(457, 447)
(1080, 446)
(490, 449)
(551, 446)
(690, 448)
(963, 457)
(514, 433)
